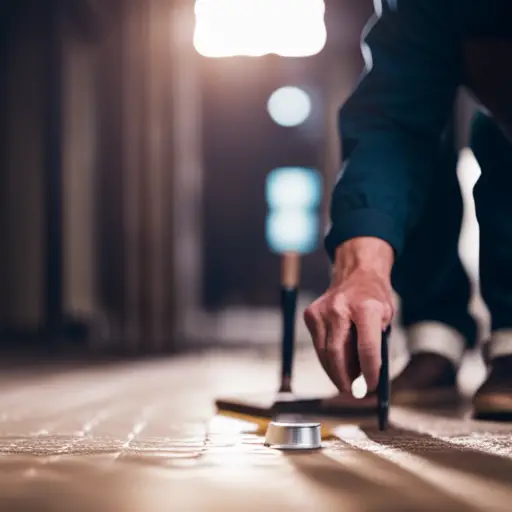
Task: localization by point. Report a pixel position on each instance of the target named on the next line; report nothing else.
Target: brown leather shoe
(428, 380)
(493, 400)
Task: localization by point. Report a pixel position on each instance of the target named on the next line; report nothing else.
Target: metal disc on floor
(293, 436)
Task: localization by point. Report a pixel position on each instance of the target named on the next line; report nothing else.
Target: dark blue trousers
(429, 276)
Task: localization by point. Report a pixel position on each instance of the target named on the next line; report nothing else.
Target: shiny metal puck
(293, 436)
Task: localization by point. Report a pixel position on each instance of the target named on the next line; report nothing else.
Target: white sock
(437, 338)
(500, 343)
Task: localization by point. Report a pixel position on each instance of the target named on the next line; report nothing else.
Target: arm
(391, 125)
(390, 129)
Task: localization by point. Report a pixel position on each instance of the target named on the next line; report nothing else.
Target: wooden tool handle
(290, 270)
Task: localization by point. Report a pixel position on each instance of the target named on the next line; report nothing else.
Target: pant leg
(493, 202)
(429, 276)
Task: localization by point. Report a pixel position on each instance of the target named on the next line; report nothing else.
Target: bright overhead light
(289, 28)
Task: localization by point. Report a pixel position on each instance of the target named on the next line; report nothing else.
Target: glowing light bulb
(290, 28)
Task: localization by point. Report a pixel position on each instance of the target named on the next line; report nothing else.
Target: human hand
(358, 301)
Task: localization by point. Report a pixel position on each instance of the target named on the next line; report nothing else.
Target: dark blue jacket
(417, 53)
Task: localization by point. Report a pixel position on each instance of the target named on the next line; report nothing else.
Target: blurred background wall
(24, 75)
(133, 173)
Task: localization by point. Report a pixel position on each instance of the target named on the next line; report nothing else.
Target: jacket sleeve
(391, 125)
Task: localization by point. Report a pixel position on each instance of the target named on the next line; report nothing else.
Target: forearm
(383, 188)
(391, 126)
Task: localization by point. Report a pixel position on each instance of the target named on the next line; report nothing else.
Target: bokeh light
(359, 388)
(293, 195)
(289, 28)
(289, 106)
(293, 187)
(292, 231)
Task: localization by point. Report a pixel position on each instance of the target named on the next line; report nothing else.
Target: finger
(352, 365)
(316, 327)
(338, 340)
(368, 322)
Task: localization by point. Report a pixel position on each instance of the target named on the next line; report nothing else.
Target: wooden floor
(141, 436)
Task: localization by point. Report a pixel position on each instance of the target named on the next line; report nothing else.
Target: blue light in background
(294, 187)
(292, 231)
(293, 195)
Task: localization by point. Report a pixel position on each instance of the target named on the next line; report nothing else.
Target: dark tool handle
(290, 272)
(384, 386)
(289, 306)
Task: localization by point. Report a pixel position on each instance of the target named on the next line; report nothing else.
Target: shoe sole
(436, 397)
(493, 406)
